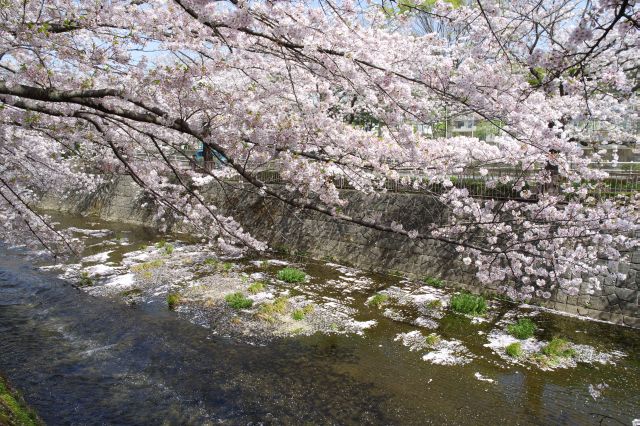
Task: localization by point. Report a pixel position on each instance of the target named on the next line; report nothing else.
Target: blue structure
(199, 155)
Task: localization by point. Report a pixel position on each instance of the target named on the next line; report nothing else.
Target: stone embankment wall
(320, 237)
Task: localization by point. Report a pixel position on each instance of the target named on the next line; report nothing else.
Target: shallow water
(82, 359)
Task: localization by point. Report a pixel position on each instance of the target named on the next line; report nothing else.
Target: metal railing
(623, 180)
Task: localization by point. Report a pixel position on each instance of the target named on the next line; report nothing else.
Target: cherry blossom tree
(92, 90)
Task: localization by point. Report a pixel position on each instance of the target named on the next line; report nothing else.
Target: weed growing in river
(218, 266)
(514, 350)
(13, 409)
(238, 300)
(168, 249)
(85, 279)
(268, 311)
(280, 304)
(172, 300)
(470, 304)
(300, 313)
(434, 304)
(433, 282)
(378, 300)
(558, 348)
(432, 339)
(291, 275)
(256, 287)
(146, 266)
(523, 329)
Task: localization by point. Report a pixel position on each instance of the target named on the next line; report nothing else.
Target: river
(86, 359)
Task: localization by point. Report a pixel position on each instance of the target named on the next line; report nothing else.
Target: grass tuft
(433, 282)
(85, 279)
(268, 311)
(256, 287)
(146, 266)
(168, 247)
(432, 339)
(291, 275)
(13, 408)
(172, 300)
(300, 313)
(378, 300)
(523, 329)
(559, 348)
(238, 300)
(467, 303)
(218, 266)
(514, 350)
(434, 304)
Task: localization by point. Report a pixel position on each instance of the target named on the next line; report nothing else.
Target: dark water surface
(81, 359)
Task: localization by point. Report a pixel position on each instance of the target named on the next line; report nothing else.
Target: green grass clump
(256, 287)
(238, 300)
(432, 339)
(85, 280)
(433, 282)
(378, 300)
(466, 303)
(172, 300)
(299, 314)
(168, 249)
(13, 409)
(558, 348)
(160, 244)
(523, 329)
(280, 305)
(268, 311)
(514, 350)
(434, 304)
(218, 266)
(146, 266)
(291, 275)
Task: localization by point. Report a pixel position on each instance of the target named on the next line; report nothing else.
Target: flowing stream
(81, 358)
